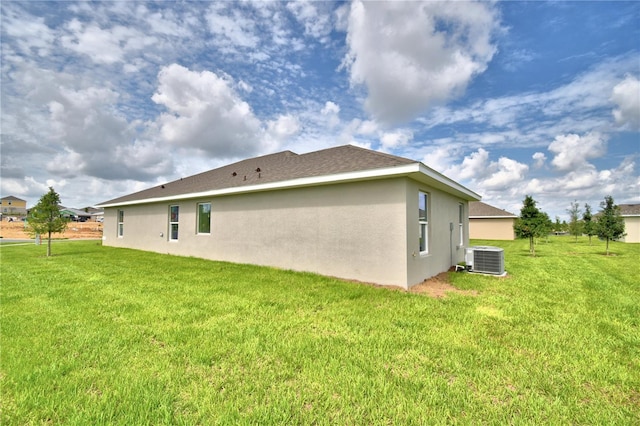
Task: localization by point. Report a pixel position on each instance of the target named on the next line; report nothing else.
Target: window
(174, 217)
(423, 221)
(120, 223)
(204, 218)
(461, 223)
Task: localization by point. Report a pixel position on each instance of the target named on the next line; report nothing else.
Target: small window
(120, 223)
(204, 218)
(174, 219)
(423, 221)
(461, 223)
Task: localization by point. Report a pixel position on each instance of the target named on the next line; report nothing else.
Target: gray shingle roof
(277, 167)
(478, 209)
(629, 209)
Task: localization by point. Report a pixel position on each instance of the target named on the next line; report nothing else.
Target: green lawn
(99, 335)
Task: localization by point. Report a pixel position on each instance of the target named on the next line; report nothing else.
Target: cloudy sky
(103, 99)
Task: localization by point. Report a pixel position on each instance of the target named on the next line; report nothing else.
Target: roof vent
(234, 174)
(258, 170)
(162, 186)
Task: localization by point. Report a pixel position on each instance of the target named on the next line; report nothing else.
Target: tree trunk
(607, 246)
(49, 245)
(532, 246)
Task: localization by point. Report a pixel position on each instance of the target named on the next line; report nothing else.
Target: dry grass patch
(439, 286)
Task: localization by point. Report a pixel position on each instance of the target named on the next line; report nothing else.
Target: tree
(610, 225)
(532, 223)
(575, 227)
(45, 217)
(557, 226)
(588, 224)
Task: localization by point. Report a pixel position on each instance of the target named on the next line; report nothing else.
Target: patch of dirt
(75, 231)
(439, 286)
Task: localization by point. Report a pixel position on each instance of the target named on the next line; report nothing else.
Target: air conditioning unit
(485, 259)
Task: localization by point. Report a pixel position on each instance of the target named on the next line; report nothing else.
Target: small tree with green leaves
(575, 226)
(610, 225)
(532, 223)
(588, 224)
(45, 218)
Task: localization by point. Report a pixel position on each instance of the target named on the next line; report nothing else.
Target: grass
(100, 335)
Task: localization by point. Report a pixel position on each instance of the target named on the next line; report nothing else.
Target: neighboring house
(631, 216)
(13, 206)
(74, 214)
(346, 212)
(490, 223)
(97, 215)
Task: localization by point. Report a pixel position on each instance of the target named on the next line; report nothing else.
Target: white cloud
(31, 34)
(395, 139)
(105, 46)
(231, 27)
(530, 119)
(412, 55)
(317, 23)
(205, 113)
(279, 130)
(441, 158)
(486, 176)
(539, 159)
(474, 166)
(330, 112)
(506, 172)
(626, 95)
(572, 151)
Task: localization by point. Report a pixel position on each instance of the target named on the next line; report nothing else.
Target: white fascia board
(406, 170)
(447, 184)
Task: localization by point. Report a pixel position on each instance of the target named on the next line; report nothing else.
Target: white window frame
(172, 223)
(461, 223)
(120, 220)
(423, 222)
(198, 219)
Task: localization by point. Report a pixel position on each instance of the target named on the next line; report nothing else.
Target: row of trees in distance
(607, 224)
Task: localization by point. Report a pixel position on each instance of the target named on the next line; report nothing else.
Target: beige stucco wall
(444, 247)
(353, 231)
(492, 228)
(632, 228)
(366, 231)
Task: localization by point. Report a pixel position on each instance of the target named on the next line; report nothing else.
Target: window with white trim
(174, 218)
(120, 223)
(461, 223)
(423, 221)
(204, 218)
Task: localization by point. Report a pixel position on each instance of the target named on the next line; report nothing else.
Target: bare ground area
(439, 286)
(75, 230)
(436, 287)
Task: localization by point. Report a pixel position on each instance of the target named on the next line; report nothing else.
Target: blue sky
(508, 98)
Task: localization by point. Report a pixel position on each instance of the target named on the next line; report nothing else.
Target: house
(490, 223)
(631, 215)
(346, 212)
(74, 214)
(13, 206)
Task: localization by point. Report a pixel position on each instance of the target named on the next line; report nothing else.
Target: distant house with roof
(13, 206)
(346, 212)
(487, 222)
(74, 214)
(631, 215)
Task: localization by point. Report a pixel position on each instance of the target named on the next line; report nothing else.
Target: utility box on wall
(485, 260)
